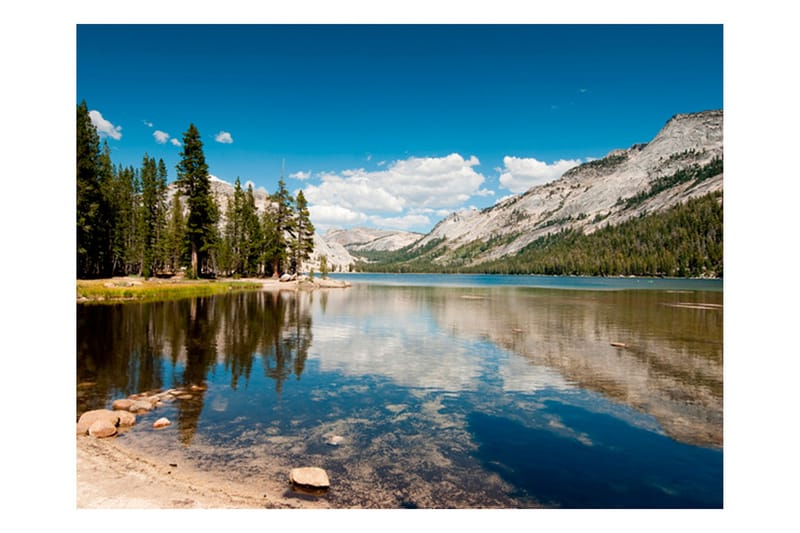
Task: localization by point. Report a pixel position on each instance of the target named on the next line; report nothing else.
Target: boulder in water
(123, 404)
(310, 476)
(161, 423)
(126, 418)
(102, 428)
(90, 417)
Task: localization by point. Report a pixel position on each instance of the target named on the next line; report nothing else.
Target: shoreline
(124, 289)
(112, 476)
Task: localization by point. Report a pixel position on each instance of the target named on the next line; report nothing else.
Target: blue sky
(393, 126)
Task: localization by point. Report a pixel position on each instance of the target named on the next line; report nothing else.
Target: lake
(447, 391)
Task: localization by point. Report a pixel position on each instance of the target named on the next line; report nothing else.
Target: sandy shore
(110, 476)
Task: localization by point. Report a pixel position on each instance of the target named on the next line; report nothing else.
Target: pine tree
(252, 234)
(303, 243)
(272, 253)
(124, 202)
(176, 233)
(93, 257)
(161, 253)
(230, 249)
(153, 215)
(282, 227)
(147, 217)
(194, 183)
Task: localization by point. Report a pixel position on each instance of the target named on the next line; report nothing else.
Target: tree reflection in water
(132, 348)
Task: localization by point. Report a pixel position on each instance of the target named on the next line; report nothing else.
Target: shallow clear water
(448, 392)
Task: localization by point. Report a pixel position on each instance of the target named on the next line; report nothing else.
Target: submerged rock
(310, 476)
(90, 417)
(140, 405)
(102, 428)
(336, 440)
(123, 404)
(161, 423)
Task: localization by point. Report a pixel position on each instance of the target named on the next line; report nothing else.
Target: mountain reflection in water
(429, 378)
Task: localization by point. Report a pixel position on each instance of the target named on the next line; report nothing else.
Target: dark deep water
(464, 395)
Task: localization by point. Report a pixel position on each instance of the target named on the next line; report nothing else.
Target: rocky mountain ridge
(370, 239)
(625, 184)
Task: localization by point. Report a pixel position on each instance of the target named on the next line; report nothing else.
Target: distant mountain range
(683, 161)
(643, 179)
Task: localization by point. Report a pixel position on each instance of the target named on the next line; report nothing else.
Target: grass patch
(140, 290)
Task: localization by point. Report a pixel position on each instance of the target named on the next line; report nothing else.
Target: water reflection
(423, 337)
(670, 367)
(133, 348)
(446, 397)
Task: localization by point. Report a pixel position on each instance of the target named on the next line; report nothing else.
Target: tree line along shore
(129, 222)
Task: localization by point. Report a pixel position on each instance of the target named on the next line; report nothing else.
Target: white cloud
(414, 182)
(324, 216)
(300, 175)
(104, 127)
(353, 192)
(223, 137)
(148, 124)
(522, 173)
(398, 195)
(175, 142)
(161, 137)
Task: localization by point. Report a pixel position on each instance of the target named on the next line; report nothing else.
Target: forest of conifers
(129, 223)
(683, 241)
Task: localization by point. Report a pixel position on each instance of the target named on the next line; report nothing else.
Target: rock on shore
(310, 476)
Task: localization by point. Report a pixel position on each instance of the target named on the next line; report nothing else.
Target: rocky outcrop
(336, 255)
(370, 239)
(590, 196)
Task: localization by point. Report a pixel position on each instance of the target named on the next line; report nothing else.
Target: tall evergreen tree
(225, 253)
(153, 214)
(161, 251)
(176, 232)
(303, 243)
(273, 252)
(194, 183)
(281, 228)
(253, 236)
(93, 257)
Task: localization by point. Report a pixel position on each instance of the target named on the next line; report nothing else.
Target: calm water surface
(449, 391)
